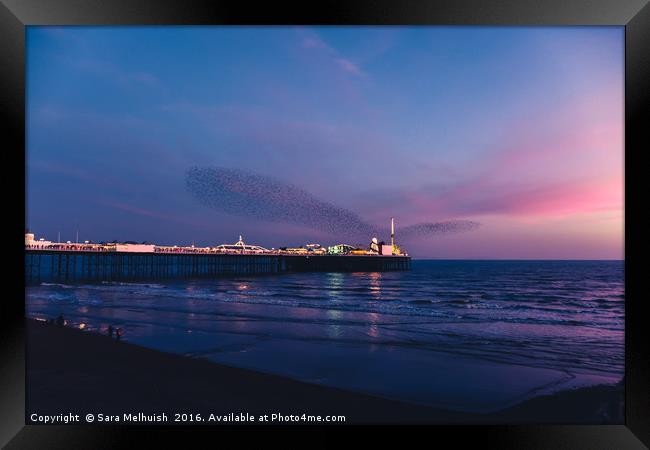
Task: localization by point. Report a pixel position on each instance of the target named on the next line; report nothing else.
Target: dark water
(466, 335)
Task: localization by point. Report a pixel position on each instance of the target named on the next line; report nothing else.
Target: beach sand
(69, 370)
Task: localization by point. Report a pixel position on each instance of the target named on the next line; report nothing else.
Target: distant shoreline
(69, 370)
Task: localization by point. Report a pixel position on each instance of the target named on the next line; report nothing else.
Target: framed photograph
(363, 214)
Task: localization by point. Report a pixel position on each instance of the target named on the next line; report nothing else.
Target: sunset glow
(519, 129)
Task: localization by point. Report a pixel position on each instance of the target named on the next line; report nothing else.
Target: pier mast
(392, 235)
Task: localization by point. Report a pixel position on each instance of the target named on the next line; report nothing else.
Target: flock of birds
(246, 194)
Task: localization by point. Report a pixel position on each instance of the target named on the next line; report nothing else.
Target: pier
(58, 266)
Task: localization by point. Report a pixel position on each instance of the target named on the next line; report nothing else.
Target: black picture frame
(634, 15)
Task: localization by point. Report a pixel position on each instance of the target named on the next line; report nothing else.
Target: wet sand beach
(69, 370)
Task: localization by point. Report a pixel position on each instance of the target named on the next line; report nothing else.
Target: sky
(519, 129)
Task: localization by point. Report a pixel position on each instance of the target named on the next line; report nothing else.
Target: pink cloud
(315, 42)
(312, 41)
(547, 166)
(489, 196)
(350, 67)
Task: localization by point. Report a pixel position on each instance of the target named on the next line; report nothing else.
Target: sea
(474, 336)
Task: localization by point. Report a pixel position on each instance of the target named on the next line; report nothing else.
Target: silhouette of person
(118, 333)
(110, 331)
(60, 321)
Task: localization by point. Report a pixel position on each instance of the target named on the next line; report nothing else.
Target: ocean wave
(64, 286)
(131, 284)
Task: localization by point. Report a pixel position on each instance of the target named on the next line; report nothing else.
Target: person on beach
(118, 333)
(60, 321)
(110, 331)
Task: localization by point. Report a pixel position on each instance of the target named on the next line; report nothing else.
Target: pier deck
(69, 266)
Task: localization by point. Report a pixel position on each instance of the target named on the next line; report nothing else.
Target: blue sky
(519, 129)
